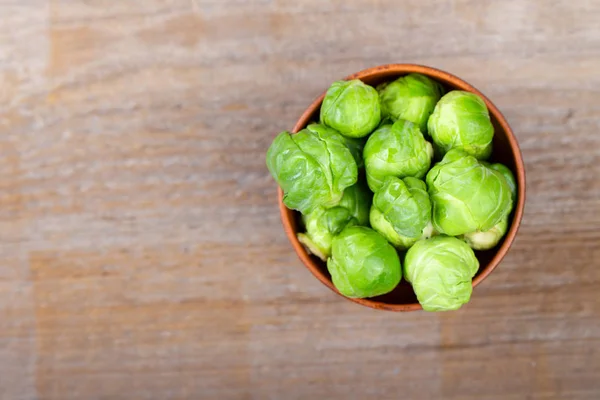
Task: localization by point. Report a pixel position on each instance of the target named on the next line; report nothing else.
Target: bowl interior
(506, 151)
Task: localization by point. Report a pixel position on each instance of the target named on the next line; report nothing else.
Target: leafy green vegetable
(355, 145)
(488, 239)
(352, 108)
(322, 224)
(485, 240)
(461, 120)
(312, 168)
(401, 211)
(411, 97)
(398, 150)
(363, 263)
(508, 175)
(466, 195)
(441, 270)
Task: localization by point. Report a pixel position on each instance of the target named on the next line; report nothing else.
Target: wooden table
(142, 255)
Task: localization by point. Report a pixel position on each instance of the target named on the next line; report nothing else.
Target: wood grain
(141, 252)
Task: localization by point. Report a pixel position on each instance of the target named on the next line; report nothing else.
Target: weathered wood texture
(141, 252)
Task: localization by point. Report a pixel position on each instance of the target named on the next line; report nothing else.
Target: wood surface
(141, 251)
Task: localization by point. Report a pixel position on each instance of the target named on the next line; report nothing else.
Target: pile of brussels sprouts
(366, 181)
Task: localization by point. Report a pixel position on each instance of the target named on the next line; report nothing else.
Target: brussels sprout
(441, 270)
(363, 263)
(411, 97)
(401, 211)
(352, 108)
(386, 229)
(510, 178)
(466, 195)
(489, 239)
(322, 224)
(461, 120)
(396, 150)
(355, 145)
(312, 168)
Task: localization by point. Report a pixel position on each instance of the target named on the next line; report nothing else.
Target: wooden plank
(142, 252)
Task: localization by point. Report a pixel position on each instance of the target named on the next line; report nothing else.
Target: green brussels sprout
(363, 263)
(441, 270)
(322, 224)
(488, 239)
(355, 145)
(461, 120)
(466, 195)
(312, 168)
(510, 178)
(398, 150)
(411, 97)
(352, 108)
(401, 211)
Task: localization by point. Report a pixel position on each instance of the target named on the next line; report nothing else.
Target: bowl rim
(305, 118)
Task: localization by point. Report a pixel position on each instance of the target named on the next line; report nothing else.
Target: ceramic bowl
(506, 150)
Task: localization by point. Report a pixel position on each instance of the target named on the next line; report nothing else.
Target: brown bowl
(506, 151)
